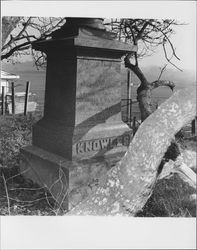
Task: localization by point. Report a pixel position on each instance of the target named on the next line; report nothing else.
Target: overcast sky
(185, 44)
(184, 11)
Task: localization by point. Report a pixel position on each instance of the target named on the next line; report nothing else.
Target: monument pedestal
(82, 113)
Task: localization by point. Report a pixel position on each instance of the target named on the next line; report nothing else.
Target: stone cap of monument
(95, 23)
(85, 33)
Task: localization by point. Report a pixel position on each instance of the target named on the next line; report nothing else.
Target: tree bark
(144, 91)
(144, 96)
(128, 185)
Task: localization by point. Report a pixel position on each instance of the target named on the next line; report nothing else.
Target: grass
(170, 198)
(23, 196)
(19, 196)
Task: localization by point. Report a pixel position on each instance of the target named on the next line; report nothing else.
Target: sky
(185, 43)
(184, 11)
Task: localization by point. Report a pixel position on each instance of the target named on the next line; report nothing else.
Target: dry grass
(170, 198)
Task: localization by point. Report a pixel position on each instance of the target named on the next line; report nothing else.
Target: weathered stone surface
(128, 185)
(189, 158)
(179, 167)
(48, 170)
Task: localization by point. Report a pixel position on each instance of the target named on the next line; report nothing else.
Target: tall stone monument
(82, 112)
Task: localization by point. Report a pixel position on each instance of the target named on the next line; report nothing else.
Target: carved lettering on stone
(83, 147)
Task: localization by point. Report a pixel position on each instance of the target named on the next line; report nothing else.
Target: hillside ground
(19, 196)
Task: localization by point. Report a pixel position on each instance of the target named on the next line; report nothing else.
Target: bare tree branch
(161, 72)
(7, 195)
(140, 33)
(23, 46)
(165, 38)
(169, 60)
(24, 31)
(160, 83)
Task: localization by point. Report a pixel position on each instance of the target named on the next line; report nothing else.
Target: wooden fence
(5, 96)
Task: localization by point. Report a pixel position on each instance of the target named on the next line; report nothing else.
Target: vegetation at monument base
(18, 195)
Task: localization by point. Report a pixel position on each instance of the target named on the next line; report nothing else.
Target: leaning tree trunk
(128, 185)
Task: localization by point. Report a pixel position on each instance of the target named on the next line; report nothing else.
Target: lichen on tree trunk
(128, 185)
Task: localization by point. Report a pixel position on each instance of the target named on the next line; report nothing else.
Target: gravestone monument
(82, 112)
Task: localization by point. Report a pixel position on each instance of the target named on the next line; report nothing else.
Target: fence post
(26, 97)
(128, 96)
(193, 127)
(13, 98)
(3, 101)
(134, 127)
(130, 104)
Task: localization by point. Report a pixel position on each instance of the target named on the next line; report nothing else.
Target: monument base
(48, 170)
(66, 180)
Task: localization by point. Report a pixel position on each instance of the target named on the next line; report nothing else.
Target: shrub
(15, 132)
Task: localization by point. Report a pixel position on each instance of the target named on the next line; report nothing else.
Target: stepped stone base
(47, 169)
(63, 178)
